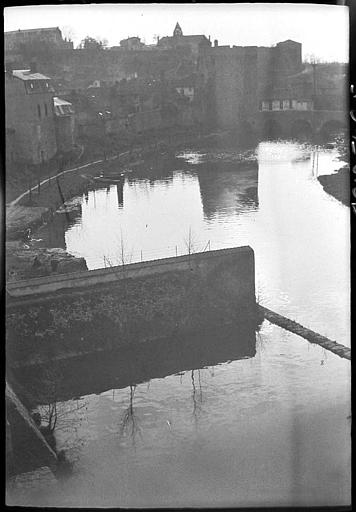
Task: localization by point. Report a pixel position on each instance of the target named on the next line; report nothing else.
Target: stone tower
(177, 31)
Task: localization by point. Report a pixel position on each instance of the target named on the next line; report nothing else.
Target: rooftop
(60, 102)
(47, 29)
(27, 74)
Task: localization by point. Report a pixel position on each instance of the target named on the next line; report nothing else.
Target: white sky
(322, 29)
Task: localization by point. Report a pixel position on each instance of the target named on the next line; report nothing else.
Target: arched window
(39, 111)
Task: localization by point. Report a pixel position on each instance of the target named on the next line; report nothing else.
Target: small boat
(108, 179)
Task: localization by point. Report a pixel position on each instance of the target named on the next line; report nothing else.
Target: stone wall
(110, 308)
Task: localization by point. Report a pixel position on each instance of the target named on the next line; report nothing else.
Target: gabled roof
(184, 39)
(26, 74)
(289, 41)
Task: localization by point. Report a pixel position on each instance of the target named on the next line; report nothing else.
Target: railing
(125, 256)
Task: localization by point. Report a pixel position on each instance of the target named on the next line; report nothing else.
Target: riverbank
(31, 209)
(338, 185)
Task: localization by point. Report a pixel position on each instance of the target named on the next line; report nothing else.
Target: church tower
(177, 31)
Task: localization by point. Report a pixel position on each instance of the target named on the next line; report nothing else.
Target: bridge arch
(272, 129)
(301, 129)
(332, 128)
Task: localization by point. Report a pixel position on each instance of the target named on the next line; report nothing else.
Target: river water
(243, 420)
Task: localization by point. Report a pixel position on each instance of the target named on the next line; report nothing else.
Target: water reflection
(228, 191)
(130, 426)
(98, 373)
(275, 427)
(120, 194)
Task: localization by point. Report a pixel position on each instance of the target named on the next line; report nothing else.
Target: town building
(29, 116)
(238, 77)
(52, 36)
(131, 43)
(192, 42)
(64, 124)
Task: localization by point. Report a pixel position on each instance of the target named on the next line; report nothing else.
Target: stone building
(29, 116)
(193, 42)
(131, 43)
(236, 78)
(64, 124)
(52, 36)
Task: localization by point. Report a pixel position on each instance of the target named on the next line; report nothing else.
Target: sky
(322, 29)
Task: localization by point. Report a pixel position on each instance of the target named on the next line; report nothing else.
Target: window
(285, 104)
(39, 111)
(276, 105)
(46, 110)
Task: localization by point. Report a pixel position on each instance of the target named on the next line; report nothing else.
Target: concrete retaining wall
(61, 316)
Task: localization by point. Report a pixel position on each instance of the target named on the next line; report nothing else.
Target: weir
(308, 334)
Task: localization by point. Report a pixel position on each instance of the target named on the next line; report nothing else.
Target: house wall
(34, 136)
(64, 132)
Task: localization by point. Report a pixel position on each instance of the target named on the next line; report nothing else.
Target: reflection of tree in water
(197, 395)
(129, 425)
(54, 417)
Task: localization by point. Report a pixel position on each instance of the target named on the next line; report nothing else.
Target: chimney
(209, 38)
(216, 43)
(33, 67)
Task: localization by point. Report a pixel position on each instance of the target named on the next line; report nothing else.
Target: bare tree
(68, 32)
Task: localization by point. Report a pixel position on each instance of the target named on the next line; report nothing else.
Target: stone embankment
(308, 334)
(107, 309)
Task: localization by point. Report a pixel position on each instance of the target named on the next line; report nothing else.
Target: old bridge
(293, 123)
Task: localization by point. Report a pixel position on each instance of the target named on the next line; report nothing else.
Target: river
(262, 420)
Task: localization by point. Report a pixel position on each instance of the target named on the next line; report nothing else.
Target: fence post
(176, 251)
(141, 254)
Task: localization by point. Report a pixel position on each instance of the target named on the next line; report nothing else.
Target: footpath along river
(267, 424)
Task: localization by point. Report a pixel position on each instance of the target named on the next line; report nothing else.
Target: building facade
(29, 116)
(237, 79)
(52, 36)
(193, 43)
(64, 124)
